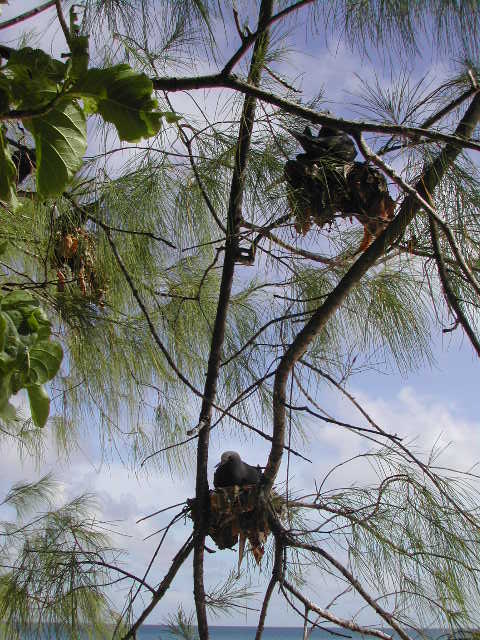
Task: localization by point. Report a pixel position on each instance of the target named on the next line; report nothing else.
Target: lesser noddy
(232, 470)
(330, 143)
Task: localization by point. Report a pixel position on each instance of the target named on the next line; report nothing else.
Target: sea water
(154, 632)
(161, 632)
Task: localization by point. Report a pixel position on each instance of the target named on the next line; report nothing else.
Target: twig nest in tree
(234, 512)
(321, 189)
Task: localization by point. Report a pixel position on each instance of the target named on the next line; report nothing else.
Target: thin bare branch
(28, 14)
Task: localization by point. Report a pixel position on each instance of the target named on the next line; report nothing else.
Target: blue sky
(434, 405)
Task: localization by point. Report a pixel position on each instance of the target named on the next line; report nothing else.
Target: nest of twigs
(322, 190)
(235, 513)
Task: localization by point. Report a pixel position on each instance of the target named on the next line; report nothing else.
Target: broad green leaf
(123, 97)
(11, 339)
(27, 357)
(28, 63)
(39, 404)
(33, 96)
(39, 323)
(45, 359)
(7, 411)
(171, 117)
(34, 78)
(16, 317)
(60, 142)
(3, 247)
(17, 300)
(8, 176)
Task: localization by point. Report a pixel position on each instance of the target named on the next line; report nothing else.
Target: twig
(156, 513)
(140, 303)
(201, 186)
(341, 622)
(450, 296)
(26, 15)
(250, 38)
(63, 22)
(147, 234)
(310, 255)
(280, 80)
(177, 562)
(126, 574)
(288, 316)
(307, 409)
(171, 446)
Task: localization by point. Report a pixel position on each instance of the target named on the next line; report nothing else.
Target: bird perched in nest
(330, 142)
(231, 470)
(325, 182)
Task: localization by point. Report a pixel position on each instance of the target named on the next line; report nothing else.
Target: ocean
(160, 632)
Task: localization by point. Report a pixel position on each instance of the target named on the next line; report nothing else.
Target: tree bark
(234, 217)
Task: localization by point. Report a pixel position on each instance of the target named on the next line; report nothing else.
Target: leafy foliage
(60, 141)
(8, 173)
(152, 226)
(123, 98)
(45, 93)
(28, 357)
(53, 565)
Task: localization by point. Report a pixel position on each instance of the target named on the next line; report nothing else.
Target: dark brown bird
(330, 143)
(231, 470)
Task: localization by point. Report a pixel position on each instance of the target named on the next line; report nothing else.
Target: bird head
(227, 456)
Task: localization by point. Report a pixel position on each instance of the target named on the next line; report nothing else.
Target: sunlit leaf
(60, 142)
(123, 97)
(39, 404)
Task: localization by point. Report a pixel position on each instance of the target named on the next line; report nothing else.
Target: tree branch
(448, 291)
(63, 22)
(349, 126)
(24, 16)
(341, 622)
(177, 562)
(234, 216)
(277, 573)
(146, 315)
(408, 210)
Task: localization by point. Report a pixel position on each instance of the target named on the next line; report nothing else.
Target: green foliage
(52, 565)
(416, 532)
(28, 357)
(123, 98)
(60, 142)
(8, 173)
(116, 378)
(25, 497)
(181, 625)
(45, 93)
